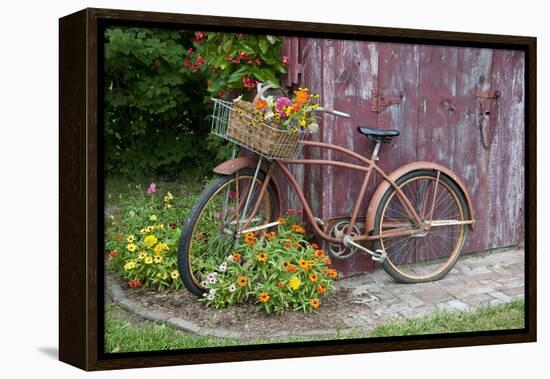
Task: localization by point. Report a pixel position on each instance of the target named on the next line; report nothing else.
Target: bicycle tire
(390, 264)
(185, 242)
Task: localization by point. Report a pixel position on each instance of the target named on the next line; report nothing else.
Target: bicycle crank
(377, 256)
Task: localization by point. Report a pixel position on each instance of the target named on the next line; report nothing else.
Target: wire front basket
(234, 122)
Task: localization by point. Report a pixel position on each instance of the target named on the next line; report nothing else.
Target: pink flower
(250, 61)
(232, 194)
(281, 103)
(290, 211)
(151, 189)
(299, 212)
(258, 61)
(216, 215)
(229, 58)
(285, 60)
(190, 51)
(188, 63)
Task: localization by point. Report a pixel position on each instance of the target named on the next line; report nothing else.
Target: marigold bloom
(264, 297)
(294, 283)
(315, 303)
(242, 281)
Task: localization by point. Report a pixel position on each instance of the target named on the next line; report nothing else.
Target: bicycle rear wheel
(209, 234)
(424, 256)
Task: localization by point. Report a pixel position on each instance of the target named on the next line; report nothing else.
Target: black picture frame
(81, 287)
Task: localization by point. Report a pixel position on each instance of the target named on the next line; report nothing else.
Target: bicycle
(417, 219)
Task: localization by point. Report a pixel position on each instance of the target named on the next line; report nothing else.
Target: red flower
(190, 51)
(258, 61)
(113, 254)
(221, 94)
(299, 212)
(188, 63)
(248, 82)
(287, 244)
(229, 58)
(243, 55)
(250, 61)
(135, 283)
(285, 60)
(290, 211)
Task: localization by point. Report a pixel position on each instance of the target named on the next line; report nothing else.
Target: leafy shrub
(279, 272)
(235, 61)
(156, 120)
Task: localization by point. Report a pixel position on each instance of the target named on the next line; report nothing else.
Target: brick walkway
(479, 279)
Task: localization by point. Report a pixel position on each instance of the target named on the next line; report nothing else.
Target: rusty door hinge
(484, 100)
(379, 101)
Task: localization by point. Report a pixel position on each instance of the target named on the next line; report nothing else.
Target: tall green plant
(155, 117)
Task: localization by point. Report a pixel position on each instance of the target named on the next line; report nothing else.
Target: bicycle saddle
(378, 135)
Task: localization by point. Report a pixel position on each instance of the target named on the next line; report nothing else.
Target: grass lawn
(124, 334)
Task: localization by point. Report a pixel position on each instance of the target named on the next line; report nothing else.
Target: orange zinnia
(328, 261)
(315, 246)
(321, 288)
(292, 268)
(261, 104)
(236, 257)
(313, 277)
(287, 245)
(262, 257)
(319, 253)
(304, 265)
(242, 281)
(315, 303)
(296, 244)
(264, 297)
(281, 284)
(281, 221)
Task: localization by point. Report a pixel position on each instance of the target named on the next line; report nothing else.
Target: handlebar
(333, 112)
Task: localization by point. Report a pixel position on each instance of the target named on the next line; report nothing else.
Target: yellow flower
(160, 247)
(131, 247)
(302, 123)
(262, 257)
(142, 231)
(131, 238)
(153, 218)
(242, 281)
(159, 275)
(294, 283)
(158, 258)
(148, 260)
(129, 265)
(150, 241)
(142, 255)
(168, 205)
(175, 274)
(168, 197)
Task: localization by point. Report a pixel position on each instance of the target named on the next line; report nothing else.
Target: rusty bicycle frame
(366, 166)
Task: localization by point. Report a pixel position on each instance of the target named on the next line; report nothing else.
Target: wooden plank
(398, 76)
(474, 74)
(437, 110)
(506, 158)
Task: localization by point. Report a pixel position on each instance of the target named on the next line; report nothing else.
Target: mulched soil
(337, 308)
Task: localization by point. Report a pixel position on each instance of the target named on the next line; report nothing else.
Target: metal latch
(485, 98)
(380, 101)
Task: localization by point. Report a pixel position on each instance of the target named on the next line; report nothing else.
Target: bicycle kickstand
(377, 256)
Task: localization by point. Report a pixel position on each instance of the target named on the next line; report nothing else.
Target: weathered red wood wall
(439, 117)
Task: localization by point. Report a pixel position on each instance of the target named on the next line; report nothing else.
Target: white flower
(222, 267)
(232, 288)
(210, 296)
(313, 128)
(211, 278)
(204, 283)
(230, 258)
(212, 291)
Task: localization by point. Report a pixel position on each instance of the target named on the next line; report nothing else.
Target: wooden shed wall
(440, 118)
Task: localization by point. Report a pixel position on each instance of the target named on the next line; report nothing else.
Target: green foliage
(156, 121)
(142, 236)
(282, 271)
(235, 61)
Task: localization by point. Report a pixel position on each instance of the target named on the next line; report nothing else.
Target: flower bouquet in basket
(273, 127)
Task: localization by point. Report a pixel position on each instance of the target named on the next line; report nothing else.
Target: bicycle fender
(405, 169)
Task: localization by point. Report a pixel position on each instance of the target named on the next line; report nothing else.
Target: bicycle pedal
(379, 256)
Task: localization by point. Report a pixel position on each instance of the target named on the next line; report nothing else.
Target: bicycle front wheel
(209, 234)
(430, 255)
